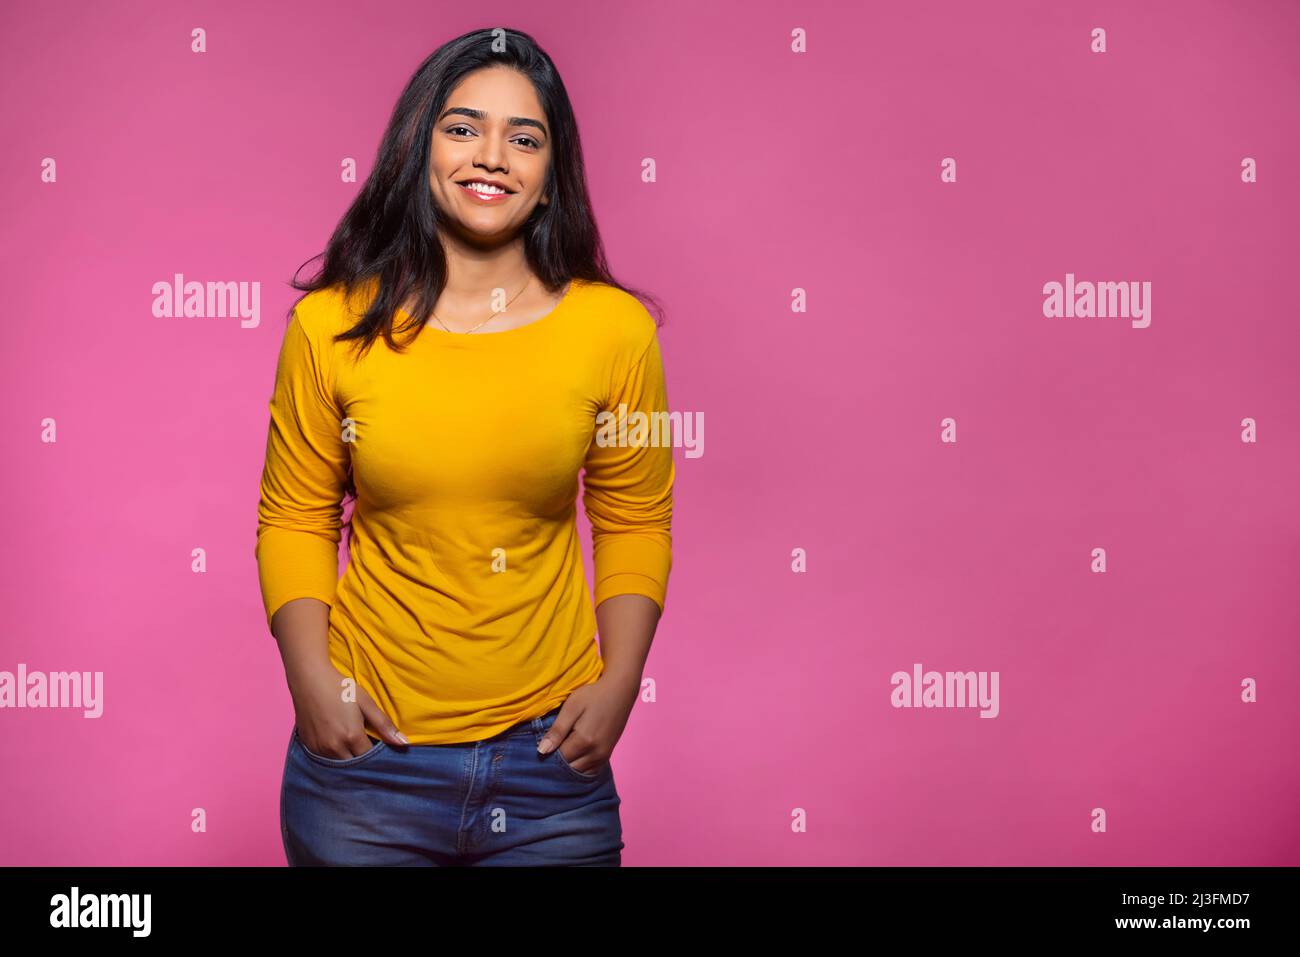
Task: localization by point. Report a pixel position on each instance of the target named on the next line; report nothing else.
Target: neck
(474, 271)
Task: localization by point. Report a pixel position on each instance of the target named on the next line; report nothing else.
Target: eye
(526, 140)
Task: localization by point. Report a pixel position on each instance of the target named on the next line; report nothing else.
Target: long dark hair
(389, 234)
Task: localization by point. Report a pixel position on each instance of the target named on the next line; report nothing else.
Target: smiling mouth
(483, 192)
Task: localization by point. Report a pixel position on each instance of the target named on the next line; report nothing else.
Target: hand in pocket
(333, 727)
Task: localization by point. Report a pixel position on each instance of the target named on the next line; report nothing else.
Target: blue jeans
(490, 802)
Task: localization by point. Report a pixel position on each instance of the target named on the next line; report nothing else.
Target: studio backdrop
(981, 352)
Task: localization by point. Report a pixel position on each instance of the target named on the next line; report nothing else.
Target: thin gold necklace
(489, 318)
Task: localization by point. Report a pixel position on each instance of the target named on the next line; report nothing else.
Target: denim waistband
(531, 726)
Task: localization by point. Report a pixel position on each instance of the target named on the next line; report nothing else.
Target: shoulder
(323, 313)
(617, 319)
(326, 313)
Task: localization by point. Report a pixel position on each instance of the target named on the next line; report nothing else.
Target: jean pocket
(548, 722)
(377, 746)
(580, 775)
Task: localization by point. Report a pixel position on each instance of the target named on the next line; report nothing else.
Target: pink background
(776, 171)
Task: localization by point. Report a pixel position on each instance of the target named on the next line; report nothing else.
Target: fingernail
(401, 737)
(545, 747)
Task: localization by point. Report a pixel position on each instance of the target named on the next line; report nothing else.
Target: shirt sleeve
(304, 478)
(628, 488)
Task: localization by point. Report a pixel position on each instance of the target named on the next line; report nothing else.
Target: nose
(491, 152)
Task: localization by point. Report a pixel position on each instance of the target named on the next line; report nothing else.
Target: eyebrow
(480, 115)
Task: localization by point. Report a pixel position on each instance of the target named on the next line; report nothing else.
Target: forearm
(301, 627)
(627, 625)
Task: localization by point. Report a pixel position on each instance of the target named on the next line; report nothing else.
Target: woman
(451, 704)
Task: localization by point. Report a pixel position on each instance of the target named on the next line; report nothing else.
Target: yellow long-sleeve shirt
(465, 608)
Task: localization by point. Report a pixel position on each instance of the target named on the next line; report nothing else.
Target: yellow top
(465, 607)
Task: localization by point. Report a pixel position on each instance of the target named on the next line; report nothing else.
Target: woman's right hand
(331, 726)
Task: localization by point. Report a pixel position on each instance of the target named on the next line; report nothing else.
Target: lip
(484, 197)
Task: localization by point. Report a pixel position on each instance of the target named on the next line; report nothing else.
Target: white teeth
(483, 188)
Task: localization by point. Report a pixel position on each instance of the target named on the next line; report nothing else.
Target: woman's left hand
(590, 722)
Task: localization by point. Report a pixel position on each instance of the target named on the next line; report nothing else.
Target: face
(493, 128)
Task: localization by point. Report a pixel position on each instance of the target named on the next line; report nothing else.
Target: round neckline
(504, 334)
